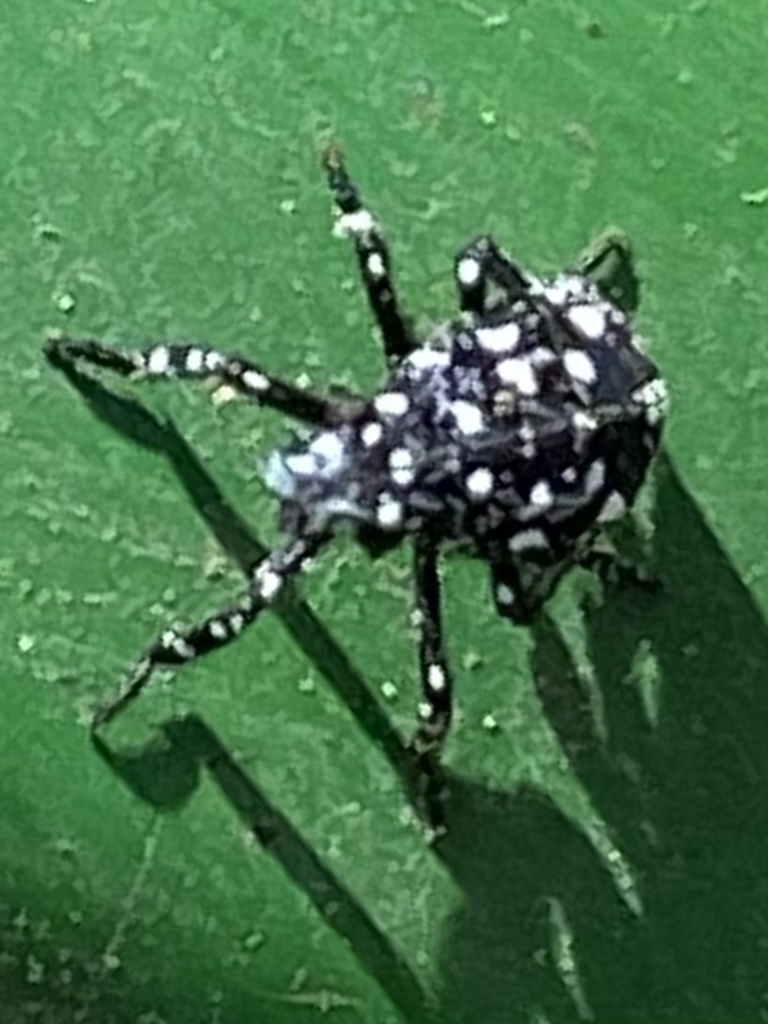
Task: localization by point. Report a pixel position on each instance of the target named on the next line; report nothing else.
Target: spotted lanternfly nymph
(514, 432)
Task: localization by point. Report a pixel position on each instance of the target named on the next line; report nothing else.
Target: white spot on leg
(480, 483)
(504, 594)
(436, 679)
(236, 623)
(255, 381)
(269, 582)
(159, 360)
(468, 271)
(375, 265)
(172, 641)
(356, 225)
(195, 360)
(425, 711)
(214, 361)
(580, 366)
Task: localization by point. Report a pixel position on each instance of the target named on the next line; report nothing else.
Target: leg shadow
(166, 773)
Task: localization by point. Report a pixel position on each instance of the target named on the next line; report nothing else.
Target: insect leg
(436, 707)
(196, 362)
(481, 262)
(355, 221)
(177, 647)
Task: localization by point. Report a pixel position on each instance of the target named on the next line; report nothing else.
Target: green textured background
(159, 169)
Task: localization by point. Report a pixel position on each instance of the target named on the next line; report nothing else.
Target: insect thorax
(518, 432)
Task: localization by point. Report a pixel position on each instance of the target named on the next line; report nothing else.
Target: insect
(513, 432)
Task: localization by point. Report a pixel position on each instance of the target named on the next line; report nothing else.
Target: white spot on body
(195, 360)
(302, 464)
(401, 466)
(392, 403)
(503, 338)
(425, 711)
(528, 540)
(389, 514)
(468, 271)
(159, 360)
(504, 594)
(469, 418)
(580, 366)
(255, 381)
(615, 507)
(236, 623)
(541, 495)
(427, 358)
(480, 483)
(589, 320)
(371, 434)
(218, 629)
(583, 421)
(436, 678)
(519, 374)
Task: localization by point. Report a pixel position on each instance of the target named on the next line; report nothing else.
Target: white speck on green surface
(756, 198)
(389, 691)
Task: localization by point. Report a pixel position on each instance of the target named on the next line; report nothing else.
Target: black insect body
(515, 433)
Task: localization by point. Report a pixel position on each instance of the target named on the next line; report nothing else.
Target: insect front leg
(355, 221)
(480, 263)
(177, 647)
(196, 362)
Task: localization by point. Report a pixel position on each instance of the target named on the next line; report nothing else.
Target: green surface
(606, 859)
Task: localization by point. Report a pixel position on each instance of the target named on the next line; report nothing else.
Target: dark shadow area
(680, 776)
(166, 773)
